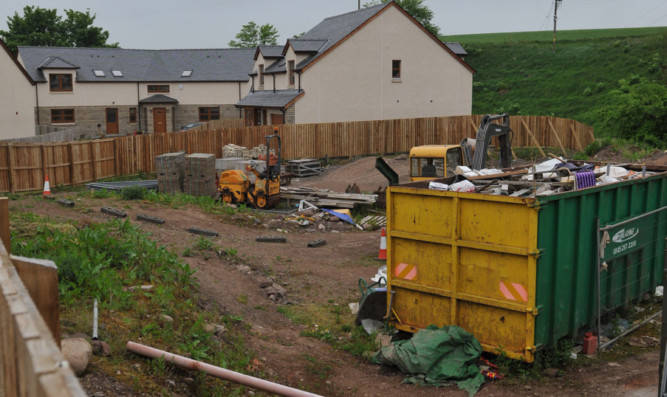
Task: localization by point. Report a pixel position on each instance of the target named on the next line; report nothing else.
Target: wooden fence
(31, 363)
(23, 167)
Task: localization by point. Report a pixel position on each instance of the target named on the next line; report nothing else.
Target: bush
(133, 193)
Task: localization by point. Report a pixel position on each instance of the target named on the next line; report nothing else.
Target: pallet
(304, 167)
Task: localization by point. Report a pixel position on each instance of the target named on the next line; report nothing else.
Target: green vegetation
(611, 79)
(107, 261)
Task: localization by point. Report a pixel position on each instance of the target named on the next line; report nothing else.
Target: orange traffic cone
(47, 187)
(383, 245)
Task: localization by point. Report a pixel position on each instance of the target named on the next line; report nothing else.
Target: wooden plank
(562, 148)
(10, 163)
(92, 160)
(4, 223)
(576, 136)
(534, 139)
(40, 278)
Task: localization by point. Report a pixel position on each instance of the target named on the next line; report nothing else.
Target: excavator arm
(487, 130)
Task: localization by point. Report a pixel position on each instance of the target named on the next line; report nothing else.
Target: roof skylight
(98, 73)
(117, 73)
(186, 73)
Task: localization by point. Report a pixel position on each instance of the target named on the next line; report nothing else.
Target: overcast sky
(161, 24)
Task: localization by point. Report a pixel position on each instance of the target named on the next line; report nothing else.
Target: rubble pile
(550, 177)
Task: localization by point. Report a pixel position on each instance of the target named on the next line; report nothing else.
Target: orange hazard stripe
(406, 271)
(513, 291)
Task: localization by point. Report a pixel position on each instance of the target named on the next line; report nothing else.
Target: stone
(164, 319)
(101, 348)
(243, 269)
(321, 227)
(77, 351)
(383, 340)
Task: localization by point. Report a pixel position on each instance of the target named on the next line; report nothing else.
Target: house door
(112, 120)
(277, 119)
(159, 120)
(249, 120)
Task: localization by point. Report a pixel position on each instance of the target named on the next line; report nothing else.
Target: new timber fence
(23, 167)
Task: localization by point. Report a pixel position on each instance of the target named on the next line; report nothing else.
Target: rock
(170, 383)
(101, 348)
(321, 227)
(265, 283)
(550, 372)
(165, 319)
(77, 351)
(243, 269)
(275, 292)
(334, 219)
(188, 381)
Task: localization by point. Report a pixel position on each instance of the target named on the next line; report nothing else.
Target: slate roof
(332, 30)
(269, 98)
(270, 51)
(457, 48)
(159, 98)
(230, 64)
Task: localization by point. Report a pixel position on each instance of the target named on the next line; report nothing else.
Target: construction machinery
(261, 189)
(440, 161)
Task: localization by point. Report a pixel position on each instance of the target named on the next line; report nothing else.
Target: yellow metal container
(464, 259)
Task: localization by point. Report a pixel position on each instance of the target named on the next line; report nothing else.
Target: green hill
(591, 69)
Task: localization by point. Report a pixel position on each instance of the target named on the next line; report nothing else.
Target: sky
(172, 24)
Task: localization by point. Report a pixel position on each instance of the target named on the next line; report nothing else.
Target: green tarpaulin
(437, 356)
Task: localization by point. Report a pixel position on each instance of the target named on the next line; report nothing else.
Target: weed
(318, 367)
(187, 252)
(101, 194)
(204, 244)
(243, 299)
(133, 193)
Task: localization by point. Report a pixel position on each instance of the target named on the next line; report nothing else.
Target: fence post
(44, 168)
(70, 152)
(93, 160)
(115, 157)
(10, 165)
(4, 223)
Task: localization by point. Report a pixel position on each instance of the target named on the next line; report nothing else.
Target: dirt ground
(320, 275)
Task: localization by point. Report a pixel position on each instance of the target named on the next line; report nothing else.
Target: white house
(17, 102)
(372, 64)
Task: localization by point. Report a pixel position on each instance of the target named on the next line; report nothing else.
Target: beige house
(373, 64)
(17, 102)
(119, 91)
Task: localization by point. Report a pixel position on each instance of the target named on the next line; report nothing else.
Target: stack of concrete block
(232, 150)
(169, 169)
(226, 164)
(200, 175)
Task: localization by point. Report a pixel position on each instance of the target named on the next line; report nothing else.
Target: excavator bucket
(373, 303)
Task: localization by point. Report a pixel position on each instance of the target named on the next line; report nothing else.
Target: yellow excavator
(235, 187)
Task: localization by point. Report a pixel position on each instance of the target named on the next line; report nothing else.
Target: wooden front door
(277, 119)
(159, 120)
(112, 120)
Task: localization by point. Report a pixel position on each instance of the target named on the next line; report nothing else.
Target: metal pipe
(627, 331)
(95, 320)
(218, 372)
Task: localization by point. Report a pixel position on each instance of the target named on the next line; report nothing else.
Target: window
(186, 73)
(161, 88)
(60, 82)
(117, 73)
(428, 167)
(396, 69)
(290, 67)
(62, 116)
(261, 75)
(133, 115)
(208, 114)
(99, 73)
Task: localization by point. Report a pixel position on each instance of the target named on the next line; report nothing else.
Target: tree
(417, 9)
(44, 27)
(252, 35)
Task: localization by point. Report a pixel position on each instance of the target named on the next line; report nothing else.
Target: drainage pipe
(218, 372)
(95, 320)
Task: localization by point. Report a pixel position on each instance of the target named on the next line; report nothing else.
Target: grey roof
(332, 30)
(230, 64)
(56, 63)
(301, 45)
(277, 67)
(271, 51)
(159, 98)
(456, 48)
(269, 98)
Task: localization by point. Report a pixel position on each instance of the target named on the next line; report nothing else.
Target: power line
(556, 4)
(546, 19)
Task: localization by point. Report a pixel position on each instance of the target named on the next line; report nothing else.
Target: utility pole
(556, 4)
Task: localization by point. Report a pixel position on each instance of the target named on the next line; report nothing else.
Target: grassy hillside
(518, 73)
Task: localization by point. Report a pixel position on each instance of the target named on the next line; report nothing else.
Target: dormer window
(60, 82)
(396, 69)
(290, 70)
(261, 75)
(99, 73)
(186, 73)
(117, 73)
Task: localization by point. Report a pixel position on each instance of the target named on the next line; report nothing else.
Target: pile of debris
(327, 198)
(550, 177)
(243, 153)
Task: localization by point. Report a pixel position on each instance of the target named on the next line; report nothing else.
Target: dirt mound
(658, 157)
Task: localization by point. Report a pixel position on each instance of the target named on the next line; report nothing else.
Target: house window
(59, 116)
(133, 115)
(290, 66)
(60, 82)
(208, 114)
(158, 88)
(261, 75)
(396, 69)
